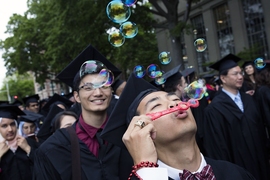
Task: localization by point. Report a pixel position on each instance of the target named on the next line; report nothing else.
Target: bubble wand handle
(181, 106)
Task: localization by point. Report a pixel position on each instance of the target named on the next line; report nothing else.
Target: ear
(223, 79)
(77, 97)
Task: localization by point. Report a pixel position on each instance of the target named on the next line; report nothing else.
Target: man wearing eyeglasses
(78, 152)
(232, 127)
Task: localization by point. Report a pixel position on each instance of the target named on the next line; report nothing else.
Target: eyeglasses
(237, 73)
(91, 87)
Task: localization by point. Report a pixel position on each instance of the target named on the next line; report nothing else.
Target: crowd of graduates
(103, 132)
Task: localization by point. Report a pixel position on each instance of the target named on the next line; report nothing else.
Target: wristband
(141, 165)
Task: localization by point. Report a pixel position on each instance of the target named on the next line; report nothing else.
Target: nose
(172, 104)
(9, 128)
(97, 92)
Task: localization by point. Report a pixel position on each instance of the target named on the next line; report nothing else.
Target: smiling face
(249, 70)
(93, 100)
(8, 129)
(170, 127)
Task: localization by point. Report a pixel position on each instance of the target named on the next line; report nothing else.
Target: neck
(95, 119)
(231, 90)
(184, 155)
(251, 77)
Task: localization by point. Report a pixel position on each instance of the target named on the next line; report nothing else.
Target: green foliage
(52, 33)
(249, 54)
(19, 85)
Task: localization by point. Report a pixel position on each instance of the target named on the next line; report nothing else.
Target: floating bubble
(101, 79)
(110, 78)
(159, 80)
(116, 39)
(152, 70)
(129, 29)
(259, 63)
(195, 90)
(139, 71)
(117, 11)
(200, 44)
(90, 67)
(129, 2)
(165, 57)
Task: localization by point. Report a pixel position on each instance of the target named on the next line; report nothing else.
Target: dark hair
(172, 85)
(263, 77)
(223, 73)
(58, 118)
(247, 80)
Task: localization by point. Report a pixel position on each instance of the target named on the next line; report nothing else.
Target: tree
(52, 33)
(18, 85)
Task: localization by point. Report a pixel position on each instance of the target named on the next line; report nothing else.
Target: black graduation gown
(234, 136)
(18, 166)
(53, 160)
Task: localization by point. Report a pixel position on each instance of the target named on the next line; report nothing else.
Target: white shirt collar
(174, 173)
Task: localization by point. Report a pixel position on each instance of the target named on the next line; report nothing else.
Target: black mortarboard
(57, 99)
(30, 117)
(4, 103)
(172, 75)
(17, 103)
(188, 72)
(246, 63)
(69, 95)
(125, 109)
(89, 53)
(226, 63)
(28, 99)
(11, 112)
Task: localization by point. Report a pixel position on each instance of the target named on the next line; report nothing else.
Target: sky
(7, 9)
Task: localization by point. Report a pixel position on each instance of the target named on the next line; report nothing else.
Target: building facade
(228, 26)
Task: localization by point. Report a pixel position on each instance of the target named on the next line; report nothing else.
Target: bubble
(200, 44)
(152, 70)
(101, 79)
(165, 57)
(91, 66)
(110, 78)
(117, 11)
(116, 39)
(129, 29)
(195, 90)
(129, 2)
(139, 71)
(159, 80)
(259, 63)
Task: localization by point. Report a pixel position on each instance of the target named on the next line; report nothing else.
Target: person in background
(16, 152)
(31, 103)
(164, 148)
(232, 125)
(249, 84)
(97, 158)
(64, 119)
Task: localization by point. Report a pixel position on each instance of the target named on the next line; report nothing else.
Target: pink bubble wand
(181, 106)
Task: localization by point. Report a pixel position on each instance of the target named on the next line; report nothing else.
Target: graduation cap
(116, 84)
(247, 63)
(57, 99)
(17, 103)
(11, 112)
(135, 90)
(172, 75)
(188, 72)
(227, 62)
(30, 117)
(29, 99)
(4, 103)
(89, 53)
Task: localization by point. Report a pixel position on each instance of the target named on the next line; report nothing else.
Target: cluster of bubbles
(104, 76)
(200, 44)
(118, 11)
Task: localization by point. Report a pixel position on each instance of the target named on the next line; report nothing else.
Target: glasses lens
(91, 67)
